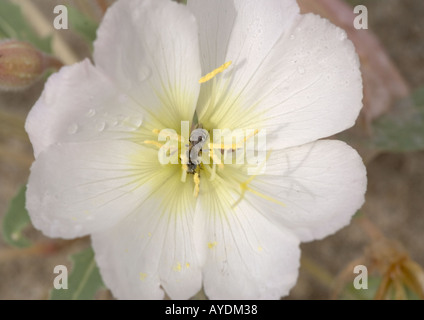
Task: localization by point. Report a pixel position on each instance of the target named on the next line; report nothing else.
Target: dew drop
(292, 37)
(73, 128)
(91, 113)
(301, 70)
(101, 126)
(342, 36)
(136, 123)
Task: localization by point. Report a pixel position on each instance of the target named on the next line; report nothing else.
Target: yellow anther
(232, 146)
(212, 74)
(177, 267)
(196, 180)
(212, 245)
(154, 143)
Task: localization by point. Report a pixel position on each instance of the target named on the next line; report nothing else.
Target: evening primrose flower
(244, 65)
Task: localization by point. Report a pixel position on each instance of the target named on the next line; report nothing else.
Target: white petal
(78, 188)
(153, 248)
(321, 184)
(81, 104)
(243, 31)
(150, 49)
(310, 87)
(295, 75)
(247, 256)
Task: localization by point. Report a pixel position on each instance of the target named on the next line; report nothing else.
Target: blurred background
(387, 235)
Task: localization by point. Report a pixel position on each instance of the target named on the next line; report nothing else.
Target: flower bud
(21, 64)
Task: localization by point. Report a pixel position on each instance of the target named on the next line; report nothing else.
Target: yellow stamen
(155, 143)
(251, 135)
(212, 74)
(264, 196)
(234, 145)
(196, 179)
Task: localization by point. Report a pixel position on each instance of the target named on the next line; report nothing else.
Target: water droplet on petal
(301, 70)
(91, 113)
(342, 36)
(73, 128)
(292, 37)
(101, 126)
(136, 123)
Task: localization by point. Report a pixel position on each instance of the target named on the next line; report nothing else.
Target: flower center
(202, 153)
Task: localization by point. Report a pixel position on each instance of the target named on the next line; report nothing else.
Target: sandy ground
(394, 200)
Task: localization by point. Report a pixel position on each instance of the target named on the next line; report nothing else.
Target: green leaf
(15, 220)
(350, 292)
(13, 25)
(402, 129)
(82, 24)
(84, 280)
(418, 96)
(362, 294)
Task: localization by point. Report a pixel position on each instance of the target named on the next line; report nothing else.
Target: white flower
(95, 137)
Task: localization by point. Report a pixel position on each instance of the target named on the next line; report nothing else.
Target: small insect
(197, 139)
